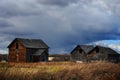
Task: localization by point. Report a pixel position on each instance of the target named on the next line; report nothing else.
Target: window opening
(17, 46)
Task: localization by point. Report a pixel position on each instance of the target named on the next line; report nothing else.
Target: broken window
(80, 50)
(97, 50)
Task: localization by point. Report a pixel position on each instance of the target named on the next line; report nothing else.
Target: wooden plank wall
(17, 55)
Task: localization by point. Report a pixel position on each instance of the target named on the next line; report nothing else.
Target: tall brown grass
(60, 71)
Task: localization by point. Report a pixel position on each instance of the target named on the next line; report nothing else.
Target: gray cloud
(114, 6)
(77, 22)
(61, 3)
(18, 8)
(5, 24)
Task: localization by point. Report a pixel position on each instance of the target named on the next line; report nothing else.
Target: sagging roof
(107, 50)
(31, 43)
(88, 48)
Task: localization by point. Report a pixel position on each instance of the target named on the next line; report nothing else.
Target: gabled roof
(85, 48)
(31, 43)
(107, 50)
(88, 48)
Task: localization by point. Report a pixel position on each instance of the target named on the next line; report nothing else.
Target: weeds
(60, 71)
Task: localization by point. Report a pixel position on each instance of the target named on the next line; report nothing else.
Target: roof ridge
(32, 43)
(29, 38)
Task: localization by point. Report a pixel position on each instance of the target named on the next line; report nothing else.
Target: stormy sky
(62, 24)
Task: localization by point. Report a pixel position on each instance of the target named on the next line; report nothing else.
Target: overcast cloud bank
(62, 24)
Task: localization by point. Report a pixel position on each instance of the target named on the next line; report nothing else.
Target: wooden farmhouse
(28, 50)
(90, 53)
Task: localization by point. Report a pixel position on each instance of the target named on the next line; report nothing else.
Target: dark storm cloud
(5, 24)
(57, 2)
(16, 33)
(62, 24)
(6, 13)
(18, 8)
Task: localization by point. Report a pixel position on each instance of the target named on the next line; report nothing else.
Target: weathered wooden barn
(91, 53)
(79, 53)
(103, 53)
(28, 50)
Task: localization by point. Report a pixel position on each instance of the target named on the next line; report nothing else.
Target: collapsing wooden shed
(104, 54)
(88, 53)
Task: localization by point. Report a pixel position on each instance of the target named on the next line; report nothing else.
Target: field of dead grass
(60, 71)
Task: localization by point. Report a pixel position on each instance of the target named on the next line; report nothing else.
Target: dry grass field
(60, 71)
